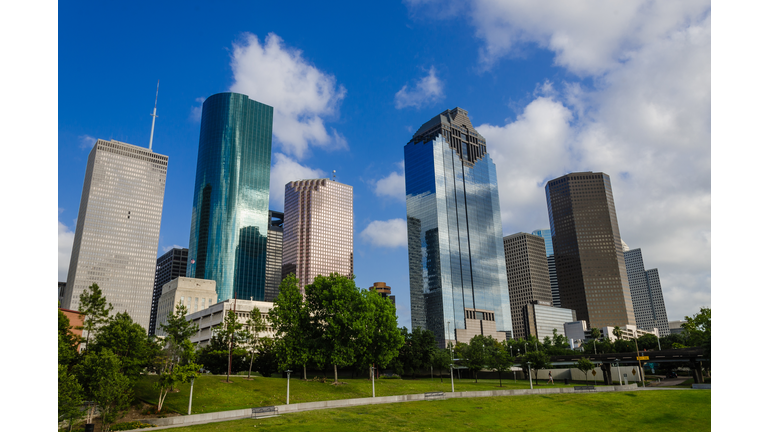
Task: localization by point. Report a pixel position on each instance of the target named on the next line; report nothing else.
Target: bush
(130, 426)
(390, 376)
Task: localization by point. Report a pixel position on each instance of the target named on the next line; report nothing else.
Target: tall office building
(228, 236)
(318, 230)
(170, 265)
(456, 257)
(527, 277)
(118, 227)
(591, 272)
(274, 256)
(546, 234)
(647, 299)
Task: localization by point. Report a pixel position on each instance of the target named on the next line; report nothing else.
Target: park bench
(263, 412)
(584, 388)
(434, 395)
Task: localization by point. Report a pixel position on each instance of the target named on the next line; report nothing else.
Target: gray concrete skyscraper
(455, 253)
(118, 227)
(527, 276)
(589, 257)
(647, 299)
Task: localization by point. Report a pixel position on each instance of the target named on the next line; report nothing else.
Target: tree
(68, 342)
(290, 320)
(168, 379)
(416, 351)
(175, 359)
(253, 327)
(267, 358)
(231, 330)
(336, 308)
(617, 332)
(95, 310)
(383, 337)
(648, 342)
(70, 396)
(497, 356)
(539, 360)
(585, 366)
(128, 341)
(104, 383)
(215, 356)
(440, 360)
(474, 354)
(698, 329)
(672, 341)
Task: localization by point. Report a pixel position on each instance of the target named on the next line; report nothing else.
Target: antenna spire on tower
(154, 116)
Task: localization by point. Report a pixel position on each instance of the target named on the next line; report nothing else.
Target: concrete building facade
(647, 298)
(541, 318)
(170, 265)
(527, 278)
(318, 230)
(195, 294)
(209, 319)
(118, 227)
(591, 272)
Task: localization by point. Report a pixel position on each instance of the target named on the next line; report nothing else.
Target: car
(671, 374)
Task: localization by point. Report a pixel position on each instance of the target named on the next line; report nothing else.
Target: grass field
(212, 394)
(671, 410)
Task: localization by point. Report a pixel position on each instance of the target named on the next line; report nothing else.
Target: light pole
(373, 379)
(452, 389)
(189, 410)
(288, 395)
(530, 378)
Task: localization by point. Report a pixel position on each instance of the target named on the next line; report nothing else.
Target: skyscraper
(228, 236)
(647, 299)
(550, 264)
(527, 277)
(318, 230)
(591, 272)
(455, 252)
(170, 265)
(118, 227)
(274, 256)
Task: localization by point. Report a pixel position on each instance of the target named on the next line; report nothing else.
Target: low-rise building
(208, 319)
(676, 327)
(195, 294)
(541, 318)
(577, 332)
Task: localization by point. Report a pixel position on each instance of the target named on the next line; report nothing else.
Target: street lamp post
(530, 378)
(192, 386)
(373, 379)
(288, 395)
(452, 389)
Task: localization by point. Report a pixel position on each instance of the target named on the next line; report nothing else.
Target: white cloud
(428, 91)
(302, 96)
(392, 185)
(390, 234)
(66, 239)
(167, 248)
(196, 112)
(284, 170)
(645, 121)
(86, 142)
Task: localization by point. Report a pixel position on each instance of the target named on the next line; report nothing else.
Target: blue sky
(554, 87)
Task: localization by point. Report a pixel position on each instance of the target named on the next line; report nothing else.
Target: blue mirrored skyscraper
(228, 238)
(455, 249)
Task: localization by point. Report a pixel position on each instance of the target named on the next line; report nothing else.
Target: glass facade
(118, 228)
(228, 236)
(542, 319)
(274, 256)
(170, 265)
(547, 235)
(455, 250)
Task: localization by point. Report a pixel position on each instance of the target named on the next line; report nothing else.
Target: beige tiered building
(195, 294)
(317, 230)
(527, 277)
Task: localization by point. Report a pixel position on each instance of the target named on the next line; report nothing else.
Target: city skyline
(551, 109)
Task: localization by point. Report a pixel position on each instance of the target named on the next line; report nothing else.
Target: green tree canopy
(538, 360)
(252, 328)
(95, 310)
(380, 324)
(585, 366)
(128, 341)
(68, 342)
(698, 329)
(290, 319)
(497, 356)
(70, 396)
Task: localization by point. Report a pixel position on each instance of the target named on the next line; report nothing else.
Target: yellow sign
(633, 371)
(643, 358)
(593, 372)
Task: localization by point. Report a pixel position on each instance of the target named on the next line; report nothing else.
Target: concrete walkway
(195, 419)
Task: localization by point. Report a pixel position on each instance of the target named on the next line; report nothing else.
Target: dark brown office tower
(170, 265)
(589, 257)
(527, 276)
(274, 256)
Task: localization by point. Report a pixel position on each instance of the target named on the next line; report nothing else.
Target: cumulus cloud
(643, 118)
(66, 239)
(390, 234)
(284, 170)
(167, 248)
(428, 90)
(196, 112)
(302, 96)
(86, 142)
(392, 185)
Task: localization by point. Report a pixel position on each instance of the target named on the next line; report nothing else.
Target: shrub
(130, 426)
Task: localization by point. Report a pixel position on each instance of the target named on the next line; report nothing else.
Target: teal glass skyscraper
(230, 214)
(455, 250)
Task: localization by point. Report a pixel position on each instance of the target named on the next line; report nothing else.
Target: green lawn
(621, 411)
(212, 394)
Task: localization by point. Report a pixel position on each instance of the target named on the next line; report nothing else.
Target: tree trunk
(441, 375)
(305, 371)
(499, 378)
(251, 366)
(335, 375)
